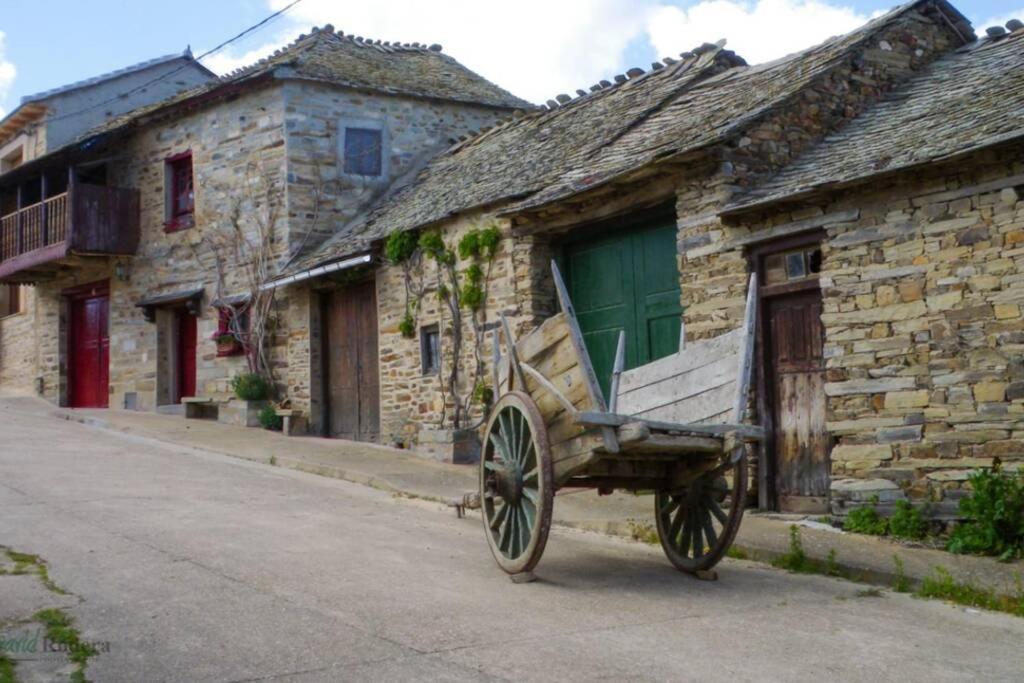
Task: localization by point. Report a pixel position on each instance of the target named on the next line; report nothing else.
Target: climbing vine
(461, 280)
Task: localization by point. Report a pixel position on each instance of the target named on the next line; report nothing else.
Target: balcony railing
(36, 226)
(87, 219)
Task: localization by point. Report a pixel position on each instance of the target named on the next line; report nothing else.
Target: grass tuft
(942, 585)
(900, 584)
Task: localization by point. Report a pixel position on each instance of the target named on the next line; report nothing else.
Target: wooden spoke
(499, 518)
(694, 528)
(716, 510)
(516, 483)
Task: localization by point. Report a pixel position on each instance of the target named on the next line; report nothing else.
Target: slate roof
(332, 57)
(520, 156)
(547, 156)
(965, 101)
(141, 66)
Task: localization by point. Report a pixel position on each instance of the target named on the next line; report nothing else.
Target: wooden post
(45, 209)
(70, 208)
(495, 361)
(20, 219)
(620, 365)
(611, 444)
(513, 357)
(682, 334)
(746, 360)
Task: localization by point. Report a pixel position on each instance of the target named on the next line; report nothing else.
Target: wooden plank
(574, 456)
(547, 334)
(576, 337)
(550, 388)
(695, 408)
(615, 420)
(697, 354)
(678, 388)
(549, 406)
(565, 427)
(747, 353)
(668, 444)
(558, 360)
(513, 357)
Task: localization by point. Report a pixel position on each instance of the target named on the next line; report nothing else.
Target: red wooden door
(89, 345)
(186, 361)
(350, 343)
(797, 391)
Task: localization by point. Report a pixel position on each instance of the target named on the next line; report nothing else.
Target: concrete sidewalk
(761, 536)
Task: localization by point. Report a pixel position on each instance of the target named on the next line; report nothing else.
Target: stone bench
(200, 408)
(292, 421)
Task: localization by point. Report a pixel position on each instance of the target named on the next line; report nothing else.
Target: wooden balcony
(37, 240)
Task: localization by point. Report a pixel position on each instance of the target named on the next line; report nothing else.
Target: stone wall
(411, 400)
(922, 283)
(322, 199)
(18, 347)
(712, 262)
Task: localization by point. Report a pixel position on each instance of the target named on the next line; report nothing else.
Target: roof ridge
(668, 67)
(664, 65)
(92, 80)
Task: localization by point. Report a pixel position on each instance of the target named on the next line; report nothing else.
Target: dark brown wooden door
(186, 360)
(797, 393)
(350, 352)
(89, 345)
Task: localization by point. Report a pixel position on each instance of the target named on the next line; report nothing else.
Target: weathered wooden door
(350, 353)
(89, 348)
(793, 338)
(626, 280)
(186, 329)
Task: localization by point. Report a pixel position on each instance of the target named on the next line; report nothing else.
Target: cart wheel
(516, 487)
(694, 530)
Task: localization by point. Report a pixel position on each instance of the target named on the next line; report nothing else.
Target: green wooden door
(626, 281)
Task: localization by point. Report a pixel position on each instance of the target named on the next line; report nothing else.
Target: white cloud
(7, 74)
(539, 48)
(226, 61)
(757, 31)
(534, 48)
(1000, 20)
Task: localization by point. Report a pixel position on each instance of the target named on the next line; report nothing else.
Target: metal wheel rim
(516, 483)
(696, 518)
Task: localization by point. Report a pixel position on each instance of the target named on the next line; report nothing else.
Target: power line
(148, 83)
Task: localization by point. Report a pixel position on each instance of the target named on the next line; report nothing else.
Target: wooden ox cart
(673, 426)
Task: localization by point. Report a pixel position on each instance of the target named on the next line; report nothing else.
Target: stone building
(134, 256)
(871, 182)
(44, 123)
(887, 311)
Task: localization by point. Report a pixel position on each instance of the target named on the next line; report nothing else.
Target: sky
(534, 48)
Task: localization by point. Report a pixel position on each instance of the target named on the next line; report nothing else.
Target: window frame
(430, 359)
(175, 219)
(15, 294)
(346, 124)
(224, 329)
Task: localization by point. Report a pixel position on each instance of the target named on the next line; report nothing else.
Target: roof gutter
(319, 271)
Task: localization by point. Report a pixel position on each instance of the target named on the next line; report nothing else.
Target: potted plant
(227, 344)
(252, 392)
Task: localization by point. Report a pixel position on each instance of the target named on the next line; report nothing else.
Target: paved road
(197, 567)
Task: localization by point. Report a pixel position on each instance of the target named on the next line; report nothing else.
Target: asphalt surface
(199, 567)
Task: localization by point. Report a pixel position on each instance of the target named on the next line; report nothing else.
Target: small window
(792, 265)
(180, 192)
(10, 300)
(12, 160)
(430, 349)
(230, 339)
(363, 148)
